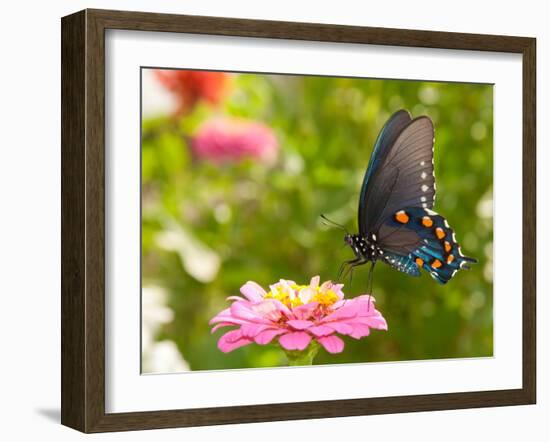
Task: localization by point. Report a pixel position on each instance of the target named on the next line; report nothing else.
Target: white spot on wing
(423, 175)
(424, 188)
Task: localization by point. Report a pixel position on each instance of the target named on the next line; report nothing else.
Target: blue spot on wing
(402, 263)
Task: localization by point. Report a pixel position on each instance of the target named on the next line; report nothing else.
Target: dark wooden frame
(83, 216)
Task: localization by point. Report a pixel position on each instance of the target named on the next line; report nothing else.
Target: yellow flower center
(302, 294)
(327, 298)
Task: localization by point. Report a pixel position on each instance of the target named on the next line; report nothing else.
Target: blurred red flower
(192, 86)
(233, 139)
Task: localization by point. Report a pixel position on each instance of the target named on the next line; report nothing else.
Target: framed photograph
(266, 221)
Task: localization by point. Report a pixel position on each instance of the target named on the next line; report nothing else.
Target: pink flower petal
(295, 340)
(314, 283)
(369, 298)
(321, 330)
(242, 310)
(253, 291)
(377, 322)
(359, 330)
(251, 330)
(339, 304)
(220, 325)
(227, 318)
(332, 344)
(266, 336)
(299, 324)
(347, 311)
(339, 327)
(304, 311)
(232, 340)
(268, 310)
(233, 335)
(281, 307)
(223, 313)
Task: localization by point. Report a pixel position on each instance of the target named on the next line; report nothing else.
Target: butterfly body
(365, 249)
(396, 222)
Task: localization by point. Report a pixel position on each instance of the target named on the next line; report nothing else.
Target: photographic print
(307, 220)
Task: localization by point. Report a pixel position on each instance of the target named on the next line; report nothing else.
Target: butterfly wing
(396, 199)
(422, 238)
(385, 140)
(402, 263)
(400, 172)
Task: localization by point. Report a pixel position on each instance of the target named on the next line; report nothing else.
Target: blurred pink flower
(192, 86)
(234, 139)
(296, 315)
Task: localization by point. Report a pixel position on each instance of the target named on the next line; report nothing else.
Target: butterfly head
(348, 239)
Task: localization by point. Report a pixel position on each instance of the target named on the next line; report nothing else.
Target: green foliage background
(262, 221)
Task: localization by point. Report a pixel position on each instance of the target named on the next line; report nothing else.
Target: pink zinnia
(234, 139)
(296, 315)
(192, 86)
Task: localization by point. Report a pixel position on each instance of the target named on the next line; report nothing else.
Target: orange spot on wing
(427, 221)
(439, 232)
(419, 262)
(436, 263)
(447, 246)
(450, 259)
(402, 217)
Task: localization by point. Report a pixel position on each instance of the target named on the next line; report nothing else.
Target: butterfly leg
(349, 266)
(370, 281)
(343, 266)
(351, 277)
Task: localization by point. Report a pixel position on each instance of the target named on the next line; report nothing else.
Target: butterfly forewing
(386, 139)
(402, 175)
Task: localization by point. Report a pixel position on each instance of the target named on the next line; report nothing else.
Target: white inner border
(127, 390)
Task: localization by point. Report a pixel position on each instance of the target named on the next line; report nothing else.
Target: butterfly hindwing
(402, 263)
(426, 238)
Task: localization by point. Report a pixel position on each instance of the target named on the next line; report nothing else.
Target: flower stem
(302, 357)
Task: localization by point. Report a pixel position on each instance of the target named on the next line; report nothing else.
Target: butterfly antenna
(329, 222)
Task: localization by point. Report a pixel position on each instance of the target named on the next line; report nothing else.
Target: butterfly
(396, 222)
